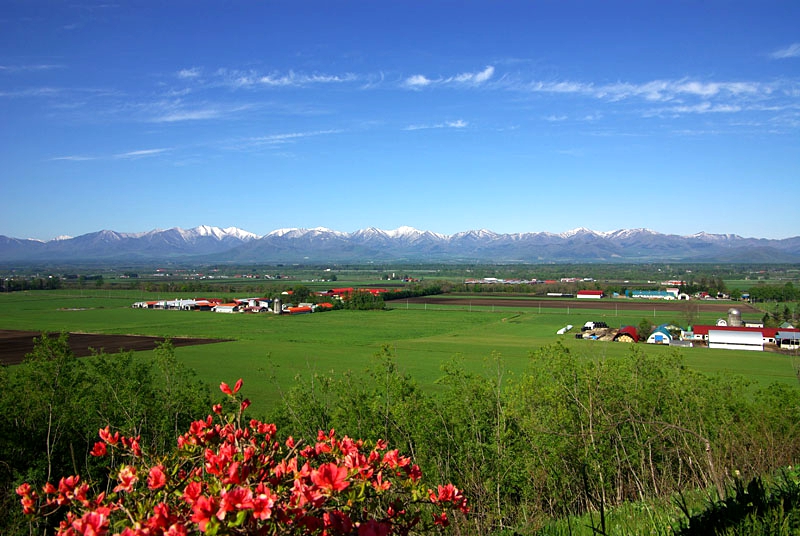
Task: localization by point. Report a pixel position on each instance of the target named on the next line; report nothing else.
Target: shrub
(226, 477)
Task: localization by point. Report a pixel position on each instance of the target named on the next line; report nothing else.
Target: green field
(270, 351)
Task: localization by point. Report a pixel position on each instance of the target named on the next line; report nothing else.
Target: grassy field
(270, 351)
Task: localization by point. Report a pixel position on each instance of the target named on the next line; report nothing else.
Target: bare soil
(15, 345)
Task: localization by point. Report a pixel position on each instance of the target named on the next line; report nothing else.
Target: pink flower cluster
(227, 478)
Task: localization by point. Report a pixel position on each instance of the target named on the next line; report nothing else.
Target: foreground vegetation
(568, 437)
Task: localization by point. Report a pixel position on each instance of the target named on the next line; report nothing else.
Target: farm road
(14, 345)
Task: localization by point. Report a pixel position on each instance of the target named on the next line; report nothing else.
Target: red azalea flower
(192, 492)
(24, 489)
(441, 519)
(203, 510)
(236, 499)
(177, 529)
(225, 389)
(92, 523)
(379, 484)
(263, 502)
(414, 473)
(156, 479)
(66, 489)
(161, 519)
(127, 477)
(99, 449)
(105, 435)
(330, 477)
(237, 386)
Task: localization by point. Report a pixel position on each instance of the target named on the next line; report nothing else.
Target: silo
(276, 306)
(734, 317)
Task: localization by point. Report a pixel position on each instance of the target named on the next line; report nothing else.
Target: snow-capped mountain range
(404, 244)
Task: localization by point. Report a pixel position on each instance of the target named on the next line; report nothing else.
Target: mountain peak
(206, 243)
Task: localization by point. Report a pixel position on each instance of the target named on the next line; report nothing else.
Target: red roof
(590, 292)
(766, 332)
(630, 330)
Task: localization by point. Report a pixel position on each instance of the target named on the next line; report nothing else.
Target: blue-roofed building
(660, 335)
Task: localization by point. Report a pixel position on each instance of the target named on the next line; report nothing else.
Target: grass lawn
(270, 351)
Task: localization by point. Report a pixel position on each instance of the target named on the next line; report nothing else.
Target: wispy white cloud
(280, 139)
(417, 81)
(140, 153)
(31, 92)
(193, 72)
(178, 110)
(459, 123)
(792, 51)
(254, 79)
(29, 68)
(188, 115)
(654, 90)
(475, 78)
(75, 158)
(700, 108)
(293, 79)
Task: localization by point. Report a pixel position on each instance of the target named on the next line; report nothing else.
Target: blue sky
(511, 116)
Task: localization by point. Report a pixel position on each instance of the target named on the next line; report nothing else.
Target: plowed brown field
(14, 345)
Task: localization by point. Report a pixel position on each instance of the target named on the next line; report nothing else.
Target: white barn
(736, 340)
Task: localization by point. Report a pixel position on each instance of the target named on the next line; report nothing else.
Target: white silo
(734, 317)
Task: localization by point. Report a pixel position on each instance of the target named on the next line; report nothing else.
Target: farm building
(767, 334)
(627, 334)
(660, 335)
(590, 294)
(788, 340)
(226, 308)
(298, 310)
(670, 294)
(735, 340)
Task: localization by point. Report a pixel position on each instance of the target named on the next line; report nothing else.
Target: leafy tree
(301, 294)
(363, 300)
(644, 328)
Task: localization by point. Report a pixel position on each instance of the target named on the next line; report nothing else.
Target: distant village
(282, 305)
(729, 333)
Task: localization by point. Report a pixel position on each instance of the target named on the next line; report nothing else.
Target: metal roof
(734, 337)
